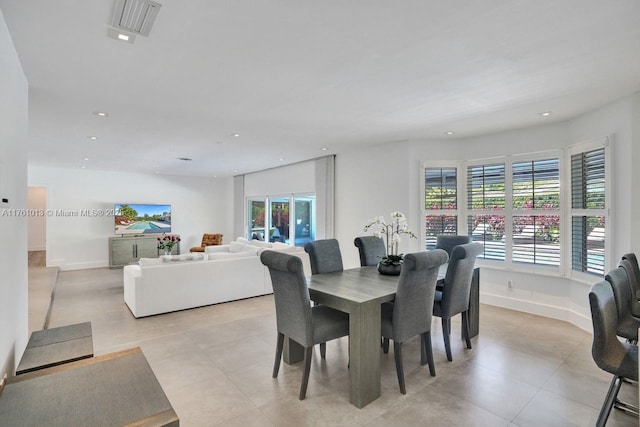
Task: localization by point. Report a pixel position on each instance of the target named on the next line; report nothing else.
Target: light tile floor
(215, 363)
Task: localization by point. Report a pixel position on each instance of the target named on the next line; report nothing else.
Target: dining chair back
(295, 317)
(449, 241)
(635, 282)
(455, 294)
(628, 324)
(608, 352)
(324, 256)
(371, 249)
(409, 315)
(634, 279)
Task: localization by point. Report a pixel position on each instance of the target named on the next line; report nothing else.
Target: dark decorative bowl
(389, 269)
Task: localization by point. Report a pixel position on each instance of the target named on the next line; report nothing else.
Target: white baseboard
(531, 307)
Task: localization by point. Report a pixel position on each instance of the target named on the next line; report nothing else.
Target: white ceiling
(294, 76)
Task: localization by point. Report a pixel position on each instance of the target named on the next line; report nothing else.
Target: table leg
(364, 354)
(292, 352)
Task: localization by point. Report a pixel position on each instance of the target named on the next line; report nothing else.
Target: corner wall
(388, 178)
(13, 185)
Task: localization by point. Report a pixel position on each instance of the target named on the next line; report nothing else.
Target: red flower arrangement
(167, 241)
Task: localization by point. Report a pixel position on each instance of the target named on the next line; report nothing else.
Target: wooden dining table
(359, 292)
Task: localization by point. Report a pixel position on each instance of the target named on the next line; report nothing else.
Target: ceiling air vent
(135, 16)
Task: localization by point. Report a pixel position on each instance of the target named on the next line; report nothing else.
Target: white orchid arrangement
(390, 233)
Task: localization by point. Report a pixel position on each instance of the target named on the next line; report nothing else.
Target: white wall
(296, 178)
(37, 224)
(198, 205)
(372, 183)
(13, 185)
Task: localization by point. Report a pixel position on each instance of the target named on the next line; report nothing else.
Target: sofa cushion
(230, 255)
(236, 247)
(219, 248)
(287, 249)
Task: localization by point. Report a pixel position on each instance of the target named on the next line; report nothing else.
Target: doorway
(37, 226)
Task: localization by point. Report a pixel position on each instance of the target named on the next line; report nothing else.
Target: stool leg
(609, 400)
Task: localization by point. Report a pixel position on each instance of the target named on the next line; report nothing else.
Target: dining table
(360, 292)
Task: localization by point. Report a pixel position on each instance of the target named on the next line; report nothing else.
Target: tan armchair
(208, 240)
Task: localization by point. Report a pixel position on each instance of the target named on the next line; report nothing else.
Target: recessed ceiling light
(324, 148)
(281, 159)
(93, 138)
(120, 36)
(84, 167)
(450, 132)
(86, 158)
(235, 171)
(100, 114)
(236, 135)
(546, 113)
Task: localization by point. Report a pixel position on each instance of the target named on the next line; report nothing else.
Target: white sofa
(223, 273)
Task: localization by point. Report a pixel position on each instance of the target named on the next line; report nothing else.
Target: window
(440, 203)
(588, 210)
(486, 203)
(543, 210)
(536, 212)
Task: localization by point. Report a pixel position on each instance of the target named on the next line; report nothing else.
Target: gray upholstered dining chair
(408, 315)
(635, 284)
(295, 317)
(453, 299)
(634, 278)
(628, 324)
(610, 354)
(450, 241)
(324, 256)
(371, 249)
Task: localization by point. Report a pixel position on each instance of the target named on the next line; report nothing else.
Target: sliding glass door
(256, 216)
(304, 220)
(287, 219)
(279, 230)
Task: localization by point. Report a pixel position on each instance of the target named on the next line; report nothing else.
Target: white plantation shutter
(485, 203)
(440, 203)
(588, 211)
(536, 212)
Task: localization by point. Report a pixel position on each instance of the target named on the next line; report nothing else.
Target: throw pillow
(260, 243)
(242, 240)
(280, 245)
